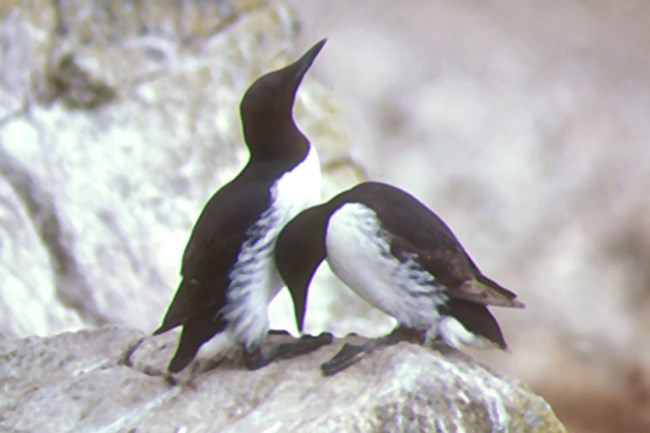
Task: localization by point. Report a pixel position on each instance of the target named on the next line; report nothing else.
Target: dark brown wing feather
(419, 234)
(212, 250)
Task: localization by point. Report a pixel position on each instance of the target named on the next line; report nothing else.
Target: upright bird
(400, 257)
(228, 273)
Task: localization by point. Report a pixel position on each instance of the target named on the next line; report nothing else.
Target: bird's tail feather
(195, 332)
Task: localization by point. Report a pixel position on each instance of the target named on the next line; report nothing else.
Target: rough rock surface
(94, 381)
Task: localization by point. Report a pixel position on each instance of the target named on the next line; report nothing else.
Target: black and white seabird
(228, 272)
(400, 257)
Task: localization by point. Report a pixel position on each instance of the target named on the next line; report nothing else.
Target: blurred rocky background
(523, 124)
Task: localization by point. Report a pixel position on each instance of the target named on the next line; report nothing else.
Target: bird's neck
(274, 139)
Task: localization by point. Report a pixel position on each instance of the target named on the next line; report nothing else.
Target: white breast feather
(358, 252)
(254, 279)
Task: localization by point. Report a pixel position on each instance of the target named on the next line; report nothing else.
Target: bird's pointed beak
(304, 63)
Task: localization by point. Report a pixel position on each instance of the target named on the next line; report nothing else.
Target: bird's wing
(419, 234)
(212, 250)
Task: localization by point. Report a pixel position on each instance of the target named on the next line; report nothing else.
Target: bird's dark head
(267, 106)
(299, 250)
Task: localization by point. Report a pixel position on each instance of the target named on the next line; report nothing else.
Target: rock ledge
(96, 381)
